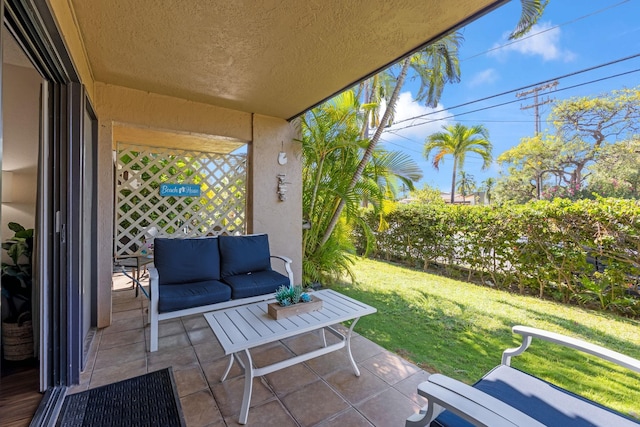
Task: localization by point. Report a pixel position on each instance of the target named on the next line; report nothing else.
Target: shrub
(584, 252)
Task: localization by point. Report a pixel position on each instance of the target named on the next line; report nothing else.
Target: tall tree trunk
(453, 179)
(312, 208)
(369, 151)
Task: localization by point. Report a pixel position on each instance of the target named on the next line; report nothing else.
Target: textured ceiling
(270, 57)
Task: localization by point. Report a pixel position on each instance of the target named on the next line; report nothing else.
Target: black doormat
(147, 400)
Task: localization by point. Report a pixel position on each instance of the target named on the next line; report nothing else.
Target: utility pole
(536, 101)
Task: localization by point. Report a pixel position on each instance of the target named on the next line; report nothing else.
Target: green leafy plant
(583, 252)
(17, 276)
(287, 296)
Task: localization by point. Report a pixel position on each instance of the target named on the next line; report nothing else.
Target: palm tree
(332, 146)
(458, 140)
(466, 184)
(435, 65)
(488, 185)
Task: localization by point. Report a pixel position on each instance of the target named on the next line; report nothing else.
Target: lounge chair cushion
(543, 401)
(244, 254)
(186, 260)
(255, 283)
(189, 295)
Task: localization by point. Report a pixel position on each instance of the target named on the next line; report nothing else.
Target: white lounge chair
(509, 397)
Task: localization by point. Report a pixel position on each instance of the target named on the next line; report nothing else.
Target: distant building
(458, 199)
(408, 200)
(478, 198)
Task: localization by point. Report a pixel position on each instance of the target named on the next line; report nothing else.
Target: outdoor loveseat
(509, 397)
(198, 275)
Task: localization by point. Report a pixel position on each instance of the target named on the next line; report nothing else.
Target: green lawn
(460, 329)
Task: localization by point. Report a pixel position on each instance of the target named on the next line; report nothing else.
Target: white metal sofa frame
(155, 316)
(481, 409)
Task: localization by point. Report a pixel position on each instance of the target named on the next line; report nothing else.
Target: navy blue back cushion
(244, 254)
(186, 260)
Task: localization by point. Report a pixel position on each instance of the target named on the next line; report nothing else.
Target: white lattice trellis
(141, 213)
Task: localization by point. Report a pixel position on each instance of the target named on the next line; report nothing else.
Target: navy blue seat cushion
(543, 401)
(244, 254)
(189, 295)
(255, 283)
(186, 260)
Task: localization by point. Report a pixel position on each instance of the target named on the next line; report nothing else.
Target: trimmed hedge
(583, 252)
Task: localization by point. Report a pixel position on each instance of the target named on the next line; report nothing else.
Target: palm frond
(532, 10)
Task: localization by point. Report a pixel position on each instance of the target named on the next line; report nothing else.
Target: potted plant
(17, 331)
(291, 301)
(286, 295)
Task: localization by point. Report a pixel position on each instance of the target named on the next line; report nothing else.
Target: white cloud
(406, 127)
(487, 76)
(408, 133)
(542, 40)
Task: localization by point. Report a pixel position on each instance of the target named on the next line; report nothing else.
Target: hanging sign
(179, 190)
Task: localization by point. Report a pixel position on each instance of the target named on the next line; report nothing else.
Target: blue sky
(588, 33)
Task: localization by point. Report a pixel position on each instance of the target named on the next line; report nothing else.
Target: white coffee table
(239, 329)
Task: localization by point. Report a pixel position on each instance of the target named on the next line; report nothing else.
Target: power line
(495, 121)
(544, 31)
(473, 159)
(575, 73)
(498, 105)
(401, 146)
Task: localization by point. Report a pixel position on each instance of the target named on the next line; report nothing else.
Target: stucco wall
(105, 209)
(281, 220)
(140, 108)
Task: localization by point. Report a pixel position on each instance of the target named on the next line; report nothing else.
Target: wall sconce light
(7, 187)
(282, 156)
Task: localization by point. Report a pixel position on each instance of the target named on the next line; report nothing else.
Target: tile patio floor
(320, 392)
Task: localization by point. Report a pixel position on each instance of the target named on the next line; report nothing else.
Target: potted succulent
(17, 331)
(286, 295)
(292, 301)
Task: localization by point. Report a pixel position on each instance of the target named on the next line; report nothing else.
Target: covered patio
(187, 74)
(320, 392)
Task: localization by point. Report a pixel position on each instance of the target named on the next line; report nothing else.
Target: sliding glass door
(66, 215)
